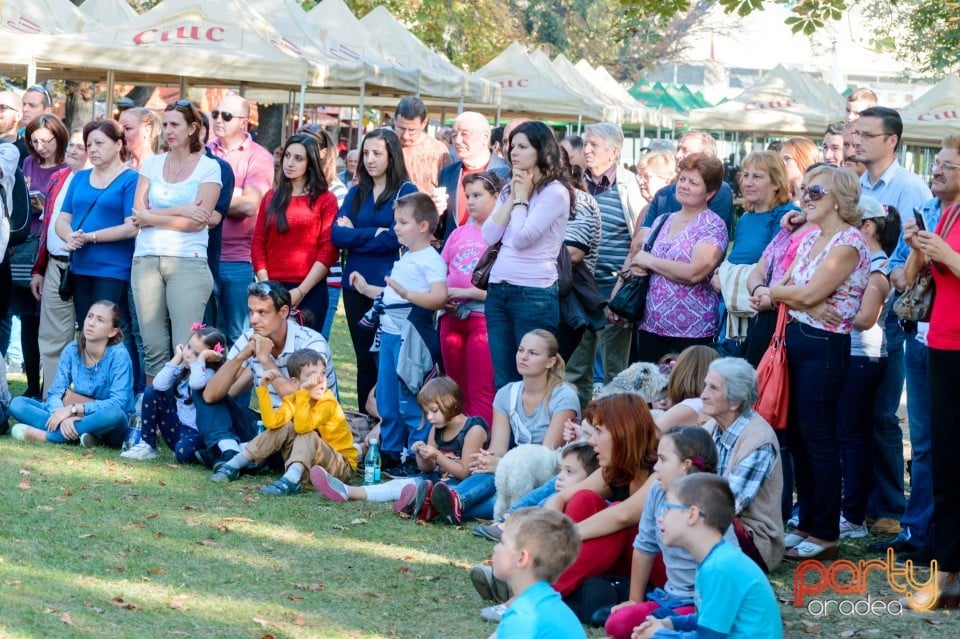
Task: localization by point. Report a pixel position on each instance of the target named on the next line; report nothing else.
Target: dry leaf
(263, 622)
(157, 571)
(269, 635)
(67, 492)
(358, 521)
(179, 603)
(86, 536)
(311, 587)
(65, 618)
(120, 602)
(294, 598)
(24, 483)
(153, 515)
(299, 621)
(191, 522)
(338, 527)
(13, 582)
(189, 507)
(243, 519)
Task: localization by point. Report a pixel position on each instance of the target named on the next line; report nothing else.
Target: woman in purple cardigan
(530, 221)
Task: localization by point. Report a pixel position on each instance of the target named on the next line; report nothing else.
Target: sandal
(809, 550)
(793, 540)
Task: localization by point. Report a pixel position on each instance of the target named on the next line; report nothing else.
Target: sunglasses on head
(226, 115)
(179, 104)
(814, 193)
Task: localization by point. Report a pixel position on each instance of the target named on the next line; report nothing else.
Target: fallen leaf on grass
(86, 536)
(263, 622)
(298, 620)
(153, 515)
(358, 521)
(67, 492)
(189, 507)
(179, 603)
(191, 522)
(65, 618)
(13, 582)
(269, 635)
(222, 527)
(157, 571)
(403, 569)
(45, 508)
(294, 598)
(24, 483)
(120, 602)
(338, 527)
(243, 519)
(311, 587)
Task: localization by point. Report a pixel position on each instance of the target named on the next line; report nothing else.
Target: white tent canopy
(935, 114)
(107, 12)
(529, 92)
(439, 76)
(602, 78)
(782, 102)
(41, 16)
(578, 87)
(582, 85)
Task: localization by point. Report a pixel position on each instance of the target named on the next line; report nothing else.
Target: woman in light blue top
(92, 392)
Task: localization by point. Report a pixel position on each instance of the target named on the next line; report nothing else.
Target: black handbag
(630, 302)
(481, 273)
(22, 258)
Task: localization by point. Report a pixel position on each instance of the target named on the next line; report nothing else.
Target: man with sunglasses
(253, 171)
(876, 136)
(274, 335)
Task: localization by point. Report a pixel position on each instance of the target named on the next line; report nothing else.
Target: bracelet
(753, 292)
(94, 236)
(517, 203)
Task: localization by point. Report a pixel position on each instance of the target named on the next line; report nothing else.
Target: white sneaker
(851, 531)
(142, 450)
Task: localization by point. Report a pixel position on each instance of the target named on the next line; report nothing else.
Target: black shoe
(205, 458)
(900, 543)
(403, 471)
(225, 456)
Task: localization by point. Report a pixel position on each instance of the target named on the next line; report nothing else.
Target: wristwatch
(73, 409)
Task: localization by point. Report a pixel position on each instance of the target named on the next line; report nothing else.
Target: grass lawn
(94, 545)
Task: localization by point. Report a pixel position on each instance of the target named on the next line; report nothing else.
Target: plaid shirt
(747, 477)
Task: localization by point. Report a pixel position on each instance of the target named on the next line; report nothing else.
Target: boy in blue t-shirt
(537, 545)
(409, 343)
(733, 597)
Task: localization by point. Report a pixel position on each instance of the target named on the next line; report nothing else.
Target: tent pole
(108, 110)
(303, 97)
(579, 123)
(183, 88)
(460, 105)
(497, 122)
(242, 89)
(31, 72)
(363, 95)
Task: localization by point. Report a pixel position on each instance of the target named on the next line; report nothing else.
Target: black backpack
(20, 215)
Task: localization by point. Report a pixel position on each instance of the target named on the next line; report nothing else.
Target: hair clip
(218, 348)
(197, 326)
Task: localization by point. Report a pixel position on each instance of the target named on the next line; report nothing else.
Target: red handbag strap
(780, 333)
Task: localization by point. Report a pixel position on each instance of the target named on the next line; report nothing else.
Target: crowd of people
(161, 276)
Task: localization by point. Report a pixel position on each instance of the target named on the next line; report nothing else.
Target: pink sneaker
(327, 485)
(404, 505)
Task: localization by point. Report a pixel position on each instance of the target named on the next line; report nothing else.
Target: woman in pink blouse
(682, 307)
(830, 272)
(530, 221)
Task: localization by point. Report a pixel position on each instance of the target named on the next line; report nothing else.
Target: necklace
(176, 172)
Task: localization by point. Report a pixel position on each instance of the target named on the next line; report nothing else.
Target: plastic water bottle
(134, 432)
(371, 464)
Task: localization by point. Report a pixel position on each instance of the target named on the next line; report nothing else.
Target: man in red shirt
(253, 168)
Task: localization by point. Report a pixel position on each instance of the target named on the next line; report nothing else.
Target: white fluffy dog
(642, 378)
(522, 469)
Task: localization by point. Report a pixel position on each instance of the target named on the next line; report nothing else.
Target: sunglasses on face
(814, 193)
(226, 115)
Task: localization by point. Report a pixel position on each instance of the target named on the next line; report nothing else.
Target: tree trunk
(270, 129)
(80, 103)
(140, 94)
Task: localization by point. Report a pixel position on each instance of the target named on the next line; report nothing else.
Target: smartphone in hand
(919, 218)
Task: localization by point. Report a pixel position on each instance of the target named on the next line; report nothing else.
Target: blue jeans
(536, 497)
(235, 277)
(224, 420)
(855, 430)
(333, 300)
(512, 312)
(818, 370)
(109, 423)
(478, 493)
(887, 498)
(402, 421)
(918, 517)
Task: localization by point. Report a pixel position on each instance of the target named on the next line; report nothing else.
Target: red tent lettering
(180, 35)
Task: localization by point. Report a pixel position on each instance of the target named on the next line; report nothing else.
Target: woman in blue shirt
(92, 392)
(364, 228)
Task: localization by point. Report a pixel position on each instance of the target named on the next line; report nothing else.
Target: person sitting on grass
(309, 429)
(92, 392)
(683, 450)
(168, 404)
(409, 343)
(734, 597)
(453, 438)
(537, 545)
(223, 416)
(578, 460)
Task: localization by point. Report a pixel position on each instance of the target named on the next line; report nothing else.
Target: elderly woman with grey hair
(748, 456)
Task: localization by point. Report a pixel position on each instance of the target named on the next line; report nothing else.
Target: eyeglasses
(945, 166)
(226, 115)
(665, 506)
(866, 134)
(4, 107)
(814, 193)
(39, 141)
(179, 104)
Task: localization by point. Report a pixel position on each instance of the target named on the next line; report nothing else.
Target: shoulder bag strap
(654, 233)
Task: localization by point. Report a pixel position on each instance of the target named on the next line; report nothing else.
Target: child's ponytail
(694, 444)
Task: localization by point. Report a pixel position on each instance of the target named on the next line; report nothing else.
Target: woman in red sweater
(291, 241)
